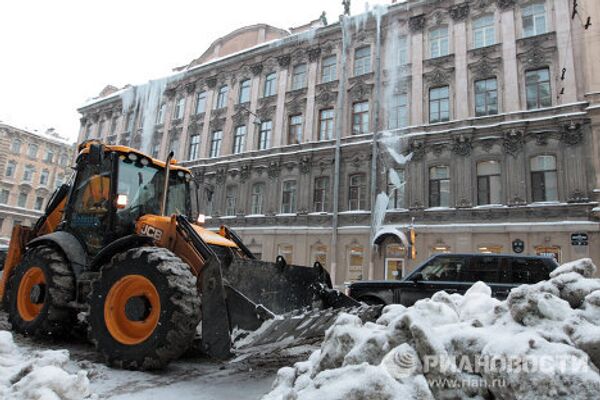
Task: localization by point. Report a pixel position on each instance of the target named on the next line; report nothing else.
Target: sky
(56, 54)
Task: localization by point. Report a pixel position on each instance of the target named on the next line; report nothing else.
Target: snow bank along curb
(38, 375)
(543, 342)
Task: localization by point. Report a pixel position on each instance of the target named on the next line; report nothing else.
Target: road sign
(518, 246)
(579, 239)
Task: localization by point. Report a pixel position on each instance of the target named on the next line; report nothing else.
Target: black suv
(455, 273)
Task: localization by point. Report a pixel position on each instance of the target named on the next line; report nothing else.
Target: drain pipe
(377, 109)
(340, 118)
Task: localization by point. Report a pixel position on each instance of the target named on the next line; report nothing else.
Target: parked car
(455, 273)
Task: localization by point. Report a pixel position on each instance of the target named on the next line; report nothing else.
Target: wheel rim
(132, 309)
(31, 294)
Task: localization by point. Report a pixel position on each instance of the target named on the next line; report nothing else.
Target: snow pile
(38, 375)
(543, 342)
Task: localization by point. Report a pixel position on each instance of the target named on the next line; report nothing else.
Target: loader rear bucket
(280, 305)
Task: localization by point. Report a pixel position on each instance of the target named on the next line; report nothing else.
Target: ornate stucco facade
(496, 101)
(33, 165)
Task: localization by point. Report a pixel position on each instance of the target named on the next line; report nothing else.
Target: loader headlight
(132, 156)
(122, 201)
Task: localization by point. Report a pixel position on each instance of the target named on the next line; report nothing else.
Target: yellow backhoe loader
(116, 245)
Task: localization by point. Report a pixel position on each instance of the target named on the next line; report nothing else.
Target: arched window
(15, 146)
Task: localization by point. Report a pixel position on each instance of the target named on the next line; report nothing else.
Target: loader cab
(113, 187)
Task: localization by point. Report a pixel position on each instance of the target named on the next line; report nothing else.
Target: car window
(445, 268)
(484, 269)
(527, 270)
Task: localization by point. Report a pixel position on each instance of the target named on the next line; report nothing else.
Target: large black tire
(56, 318)
(179, 309)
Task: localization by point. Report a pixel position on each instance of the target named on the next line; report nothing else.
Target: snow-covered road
(192, 377)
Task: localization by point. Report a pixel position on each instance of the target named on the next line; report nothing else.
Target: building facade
(33, 165)
(476, 123)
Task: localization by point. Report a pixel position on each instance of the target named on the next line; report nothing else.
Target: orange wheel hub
(31, 294)
(132, 309)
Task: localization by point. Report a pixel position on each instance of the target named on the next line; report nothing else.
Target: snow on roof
(44, 136)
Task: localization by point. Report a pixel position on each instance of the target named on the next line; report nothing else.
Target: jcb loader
(116, 246)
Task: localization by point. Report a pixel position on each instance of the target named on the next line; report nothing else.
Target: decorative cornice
(284, 61)
(256, 69)
(360, 91)
(314, 54)
(505, 4)
(462, 146)
(459, 12)
(571, 133)
(417, 23)
(190, 87)
(211, 82)
(513, 142)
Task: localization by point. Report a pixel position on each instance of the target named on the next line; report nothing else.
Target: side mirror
(96, 154)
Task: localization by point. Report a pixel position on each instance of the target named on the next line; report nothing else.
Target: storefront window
(356, 260)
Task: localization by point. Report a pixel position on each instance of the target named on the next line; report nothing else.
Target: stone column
(282, 78)
(459, 14)
(511, 93)
(309, 134)
(565, 51)
(417, 25)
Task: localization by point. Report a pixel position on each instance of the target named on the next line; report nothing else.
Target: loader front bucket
(278, 305)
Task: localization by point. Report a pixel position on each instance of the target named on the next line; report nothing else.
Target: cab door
(90, 209)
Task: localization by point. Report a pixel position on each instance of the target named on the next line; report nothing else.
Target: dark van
(455, 273)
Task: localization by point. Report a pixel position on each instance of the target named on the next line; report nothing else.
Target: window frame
(362, 61)
(361, 119)
(544, 175)
(221, 100)
(326, 123)
(439, 101)
(289, 194)
(398, 114)
(201, 97)
(357, 192)
(231, 195)
(257, 198)
(299, 76)
(321, 191)
(487, 178)
(486, 96)
(194, 147)
(488, 31)
(442, 42)
(435, 182)
(244, 94)
(239, 139)
(270, 84)
(536, 29)
(295, 129)
(328, 70)
(264, 135)
(216, 140)
(539, 102)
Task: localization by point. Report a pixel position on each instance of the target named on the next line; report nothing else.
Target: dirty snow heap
(37, 375)
(543, 342)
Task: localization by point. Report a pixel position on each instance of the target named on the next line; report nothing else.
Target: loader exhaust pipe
(163, 206)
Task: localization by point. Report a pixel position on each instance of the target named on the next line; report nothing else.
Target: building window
(258, 194)
(326, 124)
(286, 251)
(328, 69)
(155, 150)
(22, 200)
(270, 81)
(39, 203)
(264, 135)
(44, 177)
(319, 254)
(49, 156)
(28, 174)
(489, 183)
(360, 118)
(239, 139)
(295, 129)
(215, 144)
(4, 193)
(194, 151)
(537, 85)
(356, 260)
(63, 160)
(179, 108)
(486, 97)
(244, 91)
(321, 194)
(15, 146)
(439, 186)
(11, 167)
(100, 127)
(113, 125)
(402, 51)
(230, 200)
(357, 192)
(59, 181)
(222, 97)
(395, 191)
(32, 150)
(534, 19)
(288, 197)
(174, 145)
(439, 104)
(484, 31)
(544, 181)
(547, 251)
(438, 42)
(398, 115)
(299, 77)
(160, 117)
(362, 61)
(201, 102)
